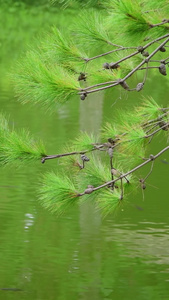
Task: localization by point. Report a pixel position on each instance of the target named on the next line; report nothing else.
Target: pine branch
(122, 81)
(131, 137)
(17, 148)
(152, 158)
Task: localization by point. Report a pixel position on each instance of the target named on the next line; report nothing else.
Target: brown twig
(109, 52)
(146, 60)
(159, 24)
(154, 132)
(152, 157)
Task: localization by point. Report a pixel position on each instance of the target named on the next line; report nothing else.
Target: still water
(80, 255)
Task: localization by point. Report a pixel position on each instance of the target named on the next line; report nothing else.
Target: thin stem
(98, 84)
(146, 73)
(158, 118)
(137, 67)
(109, 52)
(154, 125)
(121, 196)
(96, 147)
(148, 68)
(157, 49)
(152, 165)
(124, 48)
(115, 45)
(159, 24)
(101, 89)
(166, 58)
(111, 167)
(64, 154)
(154, 132)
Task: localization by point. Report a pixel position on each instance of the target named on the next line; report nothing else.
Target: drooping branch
(88, 90)
(152, 158)
(111, 144)
(126, 48)
(159, 24)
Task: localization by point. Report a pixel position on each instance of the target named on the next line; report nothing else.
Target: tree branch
(146, 60)
(152, 157)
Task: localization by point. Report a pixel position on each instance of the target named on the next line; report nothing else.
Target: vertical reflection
(90, 122)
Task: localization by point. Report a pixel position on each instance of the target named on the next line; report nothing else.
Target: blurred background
(80, 255)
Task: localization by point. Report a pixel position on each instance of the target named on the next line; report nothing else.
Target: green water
(80, 255)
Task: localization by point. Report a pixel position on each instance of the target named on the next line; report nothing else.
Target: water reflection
(79, 255)
(28, 221)
(146, 240)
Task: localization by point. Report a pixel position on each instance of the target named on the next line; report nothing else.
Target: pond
(80, 255)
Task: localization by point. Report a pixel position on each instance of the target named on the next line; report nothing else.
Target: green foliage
(44, 84)
(127, 128)
(149, 110)
(62, 49)
(110, 130)
(134, 20)
(92, 28)
(85, 142)
(131, 15)
(49, 76)
(57, 193)
(95, 173)
(17, 148)
(77, 3)
(109, 201)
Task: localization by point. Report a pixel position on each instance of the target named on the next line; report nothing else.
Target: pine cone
(162, 69)
(139, 86)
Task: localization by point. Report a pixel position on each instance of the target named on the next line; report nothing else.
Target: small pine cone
(115, 172)
(140, 48)
(162, 123)
(162, 49)
(162, 69)
(106, 66)
(111, 141)
(84, 158)
(110, 152)
(143, 186)
(82, 76)
(139, 86)
(83, 96)
(145, 53)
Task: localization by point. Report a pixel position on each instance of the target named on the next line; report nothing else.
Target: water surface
(81, 255)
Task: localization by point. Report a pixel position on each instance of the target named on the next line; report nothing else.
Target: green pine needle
(149, 109)
(64, 48)
(84, 142)
(17, 148)
(133, 142)
(91, 28)
(95, 173)
(56, 193)
(110, 131)
(130, 17)
(43, 84)
(109, 201)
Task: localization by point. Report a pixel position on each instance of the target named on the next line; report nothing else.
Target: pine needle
(43, 84)
(109, 201)
(149, 109)
(84, 142)
(17, 148)
(56, 193)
